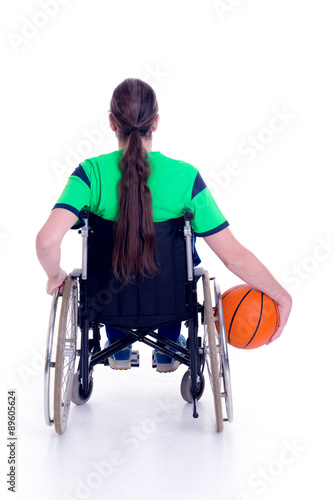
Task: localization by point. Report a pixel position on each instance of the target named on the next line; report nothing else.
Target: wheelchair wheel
(186, 387)
(65, 355)
(212, 352)
(224, 365)
(50, 360)
(78, 396)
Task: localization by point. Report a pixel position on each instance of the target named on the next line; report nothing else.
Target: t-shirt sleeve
(208, 218)
(76, 194)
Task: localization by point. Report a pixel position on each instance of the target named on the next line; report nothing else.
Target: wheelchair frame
(77, 387)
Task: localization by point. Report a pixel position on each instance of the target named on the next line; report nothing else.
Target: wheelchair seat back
(146, 302)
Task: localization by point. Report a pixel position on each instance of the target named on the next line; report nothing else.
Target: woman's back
(174, 185)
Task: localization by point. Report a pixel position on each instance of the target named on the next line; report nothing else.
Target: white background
(222, 71)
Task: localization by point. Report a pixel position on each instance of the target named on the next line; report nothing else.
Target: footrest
(135, 358)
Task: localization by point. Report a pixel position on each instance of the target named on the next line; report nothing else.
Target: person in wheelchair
(137, 186)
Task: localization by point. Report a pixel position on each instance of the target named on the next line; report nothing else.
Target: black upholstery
(148, 302)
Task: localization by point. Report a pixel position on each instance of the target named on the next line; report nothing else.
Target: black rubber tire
(79, 397)
(186, 387)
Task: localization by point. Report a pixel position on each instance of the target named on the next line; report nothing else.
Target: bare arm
(48, 243)
(246, 266)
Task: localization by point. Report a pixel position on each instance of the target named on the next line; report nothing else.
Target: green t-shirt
(175, 186)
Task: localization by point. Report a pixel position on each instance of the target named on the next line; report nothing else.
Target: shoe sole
(119, 367)
(170, 370)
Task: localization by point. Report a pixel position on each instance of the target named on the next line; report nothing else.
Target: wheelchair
(92, 298)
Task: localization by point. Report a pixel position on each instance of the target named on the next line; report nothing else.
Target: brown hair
(134, 104)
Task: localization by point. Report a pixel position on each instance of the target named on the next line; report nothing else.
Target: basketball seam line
(277, 316)
(235, 312)
(256, 329)
(234, 288)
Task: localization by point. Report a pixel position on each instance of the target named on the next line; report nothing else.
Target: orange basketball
(250, 316)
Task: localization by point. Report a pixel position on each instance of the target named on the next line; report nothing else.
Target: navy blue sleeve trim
(79, 172)
(68, 207)
(215, 230)
(74, 211)
(198, 186)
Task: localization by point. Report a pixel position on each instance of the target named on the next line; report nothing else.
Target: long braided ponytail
(134, 108)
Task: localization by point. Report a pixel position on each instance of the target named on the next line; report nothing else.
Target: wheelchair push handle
(188, 236)
(84, 233)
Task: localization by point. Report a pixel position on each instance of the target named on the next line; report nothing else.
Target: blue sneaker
(166, 364)
(121, 360)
